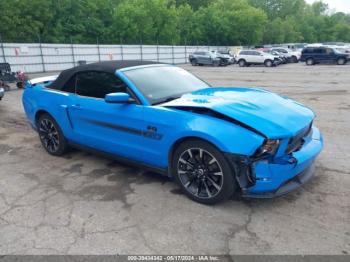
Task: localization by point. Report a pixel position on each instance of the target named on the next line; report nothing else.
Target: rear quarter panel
(39, 98)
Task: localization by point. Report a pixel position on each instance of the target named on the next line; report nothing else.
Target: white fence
(55, 57)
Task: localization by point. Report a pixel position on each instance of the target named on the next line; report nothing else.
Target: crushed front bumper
(288, 186)
(267, 178)
(277, 61)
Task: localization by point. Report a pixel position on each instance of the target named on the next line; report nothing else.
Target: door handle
(152, 128)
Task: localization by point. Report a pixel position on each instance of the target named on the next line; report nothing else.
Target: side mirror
(119, 98)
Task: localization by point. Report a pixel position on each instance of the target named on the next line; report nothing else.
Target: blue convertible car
(213, 141)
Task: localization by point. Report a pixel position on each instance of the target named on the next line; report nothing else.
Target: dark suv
(316, 55)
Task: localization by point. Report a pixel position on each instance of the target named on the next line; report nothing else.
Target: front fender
(226, 136)
(176, 125)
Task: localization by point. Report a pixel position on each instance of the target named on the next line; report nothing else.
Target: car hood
(268, 113)
(270, 56)
(343, 53)
(296, 53)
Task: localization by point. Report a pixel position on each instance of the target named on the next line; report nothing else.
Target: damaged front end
(279, 166)
(285, 159)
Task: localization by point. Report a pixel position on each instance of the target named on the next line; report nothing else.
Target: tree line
(191, 22)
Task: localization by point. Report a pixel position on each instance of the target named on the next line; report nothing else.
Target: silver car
(207, 58)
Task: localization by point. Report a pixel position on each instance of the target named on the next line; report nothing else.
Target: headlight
(268, 148)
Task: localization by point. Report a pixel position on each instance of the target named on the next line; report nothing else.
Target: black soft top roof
(105, 66)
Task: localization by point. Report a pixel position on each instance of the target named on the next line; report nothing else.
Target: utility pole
(41, 54)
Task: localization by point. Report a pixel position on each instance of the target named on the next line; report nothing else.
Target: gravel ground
(84, 204)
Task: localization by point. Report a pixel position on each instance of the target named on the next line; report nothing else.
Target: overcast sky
(339, 5)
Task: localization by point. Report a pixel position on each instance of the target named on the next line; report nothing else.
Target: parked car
(292, 56)
(254, 57)
(345, 50)
(294, 46)
(2, 92)
(226, 55)
(322, 54)
(208, 58)
(283, 59)
(214, 141)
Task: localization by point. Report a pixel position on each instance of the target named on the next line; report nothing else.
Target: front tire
(216, 63)
(203, 172)
(51, 136)
(310, 61)
(194, 62)
(268, 63)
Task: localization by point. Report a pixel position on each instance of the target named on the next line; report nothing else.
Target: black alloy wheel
(51, 136)
(200, 173)
(203, 172)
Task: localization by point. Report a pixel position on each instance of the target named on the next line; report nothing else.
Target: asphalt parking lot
(85, 204)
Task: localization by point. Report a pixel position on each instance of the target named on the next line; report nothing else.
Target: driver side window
(329, 51)
(98, 84)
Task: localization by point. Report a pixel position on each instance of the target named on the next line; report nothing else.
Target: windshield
(164, 83)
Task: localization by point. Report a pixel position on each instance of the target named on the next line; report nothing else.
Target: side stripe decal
(138, 132)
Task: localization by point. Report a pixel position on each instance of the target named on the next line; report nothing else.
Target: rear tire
(203, 172)
(310, 61)
(242, 63)
(341, 61)
(51, 136)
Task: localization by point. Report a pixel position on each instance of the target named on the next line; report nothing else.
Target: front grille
(296, 142)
